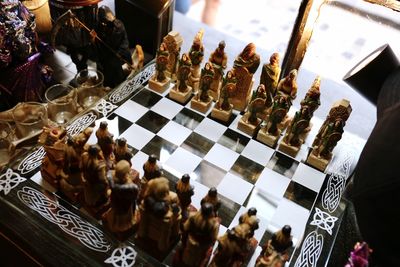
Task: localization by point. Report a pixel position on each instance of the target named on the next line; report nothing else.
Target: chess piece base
(245, 126)
(268, 139)
(157, 86)
(222, 115)
(181, 97)
(288, 149)
(318, 162)
(200, 105)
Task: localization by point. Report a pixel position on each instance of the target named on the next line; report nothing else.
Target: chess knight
(159, 82)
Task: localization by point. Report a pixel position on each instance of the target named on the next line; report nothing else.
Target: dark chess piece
(122, 151)
(105, 140)
(251, 219)
(151, 171)
(212, 198)
(121, 217)
(199, 234)
(270, 74)
(185, 192)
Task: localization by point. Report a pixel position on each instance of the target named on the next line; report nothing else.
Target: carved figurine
(212, 198)
(219, 59)
(181, 92)
(185, 192)
(270, 74)
(245, 66)
(274, 252)
(151, 170)
(159, 81)
(174, 41)
(329, 134)
(288, 86)
(202, 101)
(251, 219)
(199, 234)
(106, 143)
(223, 108)
(196, 54)
(122, 151)
(312, 98)
(121, 218)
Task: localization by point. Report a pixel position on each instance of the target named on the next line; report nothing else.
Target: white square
(167, 108)
(234, 188)
(258, 152)
(183, 161)
(309, 177)
(200, 191)
(174, 132)
(210, 129)
(272, 183)
(37, 178)
(221, 156)
(131, 111)
(266, 205)
(137, 136)
(138, 160)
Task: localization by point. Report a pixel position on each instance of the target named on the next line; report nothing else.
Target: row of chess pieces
(266, 109)
(100, 177)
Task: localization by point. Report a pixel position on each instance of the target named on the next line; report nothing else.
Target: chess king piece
(288, 86)
(270, 74)
(276, 122)
(218, 59)
(202, 101)
(212, 198)
(53, 141)
(174, 41)
(275, 251)
(300, 125)
(106, 143)
(181, 92)
(329, 134)
(245, 66)
(121, 218)
(199, 234)
(151, 170)
(185, 191)
(96, 187)
(160, 217)
(223, 108)
(159, 82)
(196, 54)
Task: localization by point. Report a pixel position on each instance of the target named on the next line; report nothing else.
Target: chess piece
(223, 108)
(159, 82)
(218, 59)
(274, 252)
(270, 74)
(202, 101)
(251, 219)
(121, 218)
(185, 192)
(106, 143)
(329, 134)
(174, 41)
(160, 218)
(122, 151)
(199, 234)
(276, 122)
(212, 198)
(288, 86)
(151, 170)
(245, 66)
(96, 188)
(181, 92)
(312, 98)
(196, 54)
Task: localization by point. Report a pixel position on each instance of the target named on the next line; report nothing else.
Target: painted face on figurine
(274, 59)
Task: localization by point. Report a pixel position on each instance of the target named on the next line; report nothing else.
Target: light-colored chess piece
(159, 82)
(196, 54)
(202, 101)
(219, 59)
(223, 108)
(270, 74)
(182, 91)
(174, 41)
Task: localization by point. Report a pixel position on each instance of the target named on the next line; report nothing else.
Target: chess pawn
(212, 198)
(199, 234)
(122, 151)
(270, 74)
(185, 192)
(106, 143)
(121, 217)
(151, 170)
(250, 217)
(218, 59)
(223, 108)
(202, 101)
(288, 86)
(196, 54)
(159, 82)
(182, 91)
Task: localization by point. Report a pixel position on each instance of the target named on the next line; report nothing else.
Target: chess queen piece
(121, 218)
(174, 41)
(270, 74)
(181, 92)
(212, 198)
(275, 251)
(196, 54)
(218, 59)
(223, 108)
(185, 191)
(245, 65)
(202, 101)
(159, 82)
(288, 86)
(329, 135)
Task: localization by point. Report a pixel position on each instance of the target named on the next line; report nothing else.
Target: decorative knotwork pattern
(81, 124)
(310, 250)
(323, 220)
(333, 192)
(69, 222)
(129, 87)
(122, 257)
(9, 180)
(104, 107)
(32, 161)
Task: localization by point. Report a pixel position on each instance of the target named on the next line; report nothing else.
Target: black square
(173, 180)
(247, 169)
(228, 210)
(152, 121)
(283, 164)
(146, 98)
(123, 123)
(197, 144)
(233, 140)
(301, 195)
(188, 118)
(158, 144)
(208, 174)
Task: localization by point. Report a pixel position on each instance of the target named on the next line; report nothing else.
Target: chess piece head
(221, 45)
(152, 159)
(207, 210)
(103, 125)
(274, 59)
(248, 51)
(286, 230)
(252, 211)
(93, 150)
(212, 192)
(292, 75)
(185, 178)
(121, 170)
(105, 15)
(121, 142)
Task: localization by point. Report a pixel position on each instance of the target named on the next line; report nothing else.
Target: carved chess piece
(174, 41)
(329, 134)
(105, 140)
(185, 191)
(159, 82)
(223, 108)
(218, 59)
(270, 74)
(122, 151)
(151, 170)
(312, 98)
(181, 92)
(202, 101)
(250, 217)
(288, 86)
(196, 54)
(245, 66)
(212, 198)
(261, 92)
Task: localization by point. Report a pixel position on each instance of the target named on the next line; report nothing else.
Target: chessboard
(246, 173)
